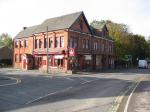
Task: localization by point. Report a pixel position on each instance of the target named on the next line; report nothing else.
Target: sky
(15, 14)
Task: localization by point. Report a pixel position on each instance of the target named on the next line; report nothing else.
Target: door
(24, 64)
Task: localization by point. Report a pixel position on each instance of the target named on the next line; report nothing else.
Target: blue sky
(18, 13)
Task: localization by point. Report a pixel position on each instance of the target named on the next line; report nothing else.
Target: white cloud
(18, 13)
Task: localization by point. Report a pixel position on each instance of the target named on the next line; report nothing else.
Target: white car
(142, 64)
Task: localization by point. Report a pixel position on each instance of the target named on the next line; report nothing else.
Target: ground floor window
(58, 62)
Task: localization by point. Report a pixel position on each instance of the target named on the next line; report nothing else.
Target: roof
(29, 31)
(62, 22)
(95, 31)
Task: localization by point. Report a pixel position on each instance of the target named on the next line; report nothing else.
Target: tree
(6, 40)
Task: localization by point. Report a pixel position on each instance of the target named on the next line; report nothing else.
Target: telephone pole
(47, 48)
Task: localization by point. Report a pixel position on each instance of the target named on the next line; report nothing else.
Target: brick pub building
(63, 44)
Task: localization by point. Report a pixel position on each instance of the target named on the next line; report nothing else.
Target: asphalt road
(38, 92)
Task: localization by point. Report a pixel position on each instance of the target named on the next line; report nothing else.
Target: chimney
(24, 28)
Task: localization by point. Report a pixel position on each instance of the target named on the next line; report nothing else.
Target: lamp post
(47, 48)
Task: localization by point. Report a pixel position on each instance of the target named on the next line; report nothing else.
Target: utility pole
(47, 48)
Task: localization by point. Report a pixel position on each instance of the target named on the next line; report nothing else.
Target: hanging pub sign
(71, 52)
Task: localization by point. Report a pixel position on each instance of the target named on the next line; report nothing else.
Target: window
(75, 43)
(39, 61)
(55, 62)
(99, 45)
(51, 61)
(26, 43)
(96, 45)
(87, 44)
(103, 47)
(40, 43)
(71, 43)
(57, 42)
(84, 43)
(61, 41)
(45, 42)
(50, 42)
(58, 62)
(21, 43)
(16, 44)
(36, 44)
(81, 24)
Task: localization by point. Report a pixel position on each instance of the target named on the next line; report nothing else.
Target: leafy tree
(6, 40)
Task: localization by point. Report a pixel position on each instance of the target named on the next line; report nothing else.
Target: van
(142, 64)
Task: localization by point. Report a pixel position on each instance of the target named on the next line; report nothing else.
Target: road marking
(41, 97)
(129, 98)
(83, 79)
(69, 78)
(118, 100)
(89, 81)
(12, 78)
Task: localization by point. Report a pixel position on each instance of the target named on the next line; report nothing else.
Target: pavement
(140, 100)
(34, 91)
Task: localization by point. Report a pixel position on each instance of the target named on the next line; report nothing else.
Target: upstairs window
(57, 42)
(21, 43)
(45, 42)
(71, 42)
(16, 44)
(40, 43)
(50, 42)
(26, 43)
(36, 44)
(87, 44)
(96, 45)
(99, 45)
(84, 43)
(103, 47)
(62, 41)
(81, 24)
(75, 43)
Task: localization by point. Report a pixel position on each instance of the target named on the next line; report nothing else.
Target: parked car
(142, 64)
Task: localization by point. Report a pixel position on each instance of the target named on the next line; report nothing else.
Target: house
(64, 44)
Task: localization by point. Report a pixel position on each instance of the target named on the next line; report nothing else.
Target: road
(38, 92)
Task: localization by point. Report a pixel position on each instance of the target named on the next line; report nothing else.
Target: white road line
(41, 97)
(69, 78)
(89, 81)
(83, 79)
(12, 78)
(129, 98)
